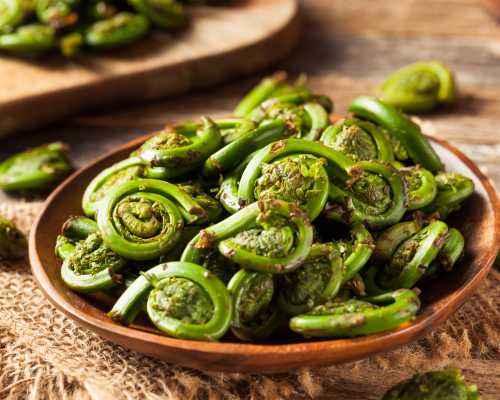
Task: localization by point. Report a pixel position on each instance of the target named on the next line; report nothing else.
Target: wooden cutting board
(222, 43)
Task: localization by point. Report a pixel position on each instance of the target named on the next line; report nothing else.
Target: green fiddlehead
(255, 315)
(79, 228)
(92, 266)
(355, 252)
(118, 31)
(211, 206)
(165, 14)
(421, 186)
(316, 281)
(374, 195)
(449, 254)
(355, 317)
(13, 13)
(413, 257)
(57, 13)
(29, 40)
(36, 169)
(107, 179)
(452, 190)
(447, 384)
(182, 146)
(390, 239)
(141, 219)
(280, 246)
(419, 87)
(184, 301)
(405, 131)
(359, 140)
(13, 243)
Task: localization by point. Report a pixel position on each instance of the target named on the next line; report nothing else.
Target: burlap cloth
(44, 355)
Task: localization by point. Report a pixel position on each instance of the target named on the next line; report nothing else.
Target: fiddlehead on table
(355, 317)
(419, 87)
(401, 127)
(36, 169)
(120, 30)
(452, 190)
(164, 14)
(184, 300)
(359, 140)
(92, 266)
(255, 315)
(316, 281)
(141, 219)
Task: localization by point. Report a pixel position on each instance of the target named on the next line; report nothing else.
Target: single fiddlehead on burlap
(267, 236)
(447, 384)
(164, 14)
(317, 280)
(255, 314)
(184, 300)
(13, 243)
(419, 87)
(355, 317)
(91, 266)
(36, 169)
(359, 140)
(452, 190)
(401, 127)
(141, 219)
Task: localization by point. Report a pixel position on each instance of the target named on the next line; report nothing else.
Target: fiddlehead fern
(211, 206)
(181, 146)
(374, 195)
(355, 317)
(448, 384)
(79, 228)
(419, 87)
(413, 256)
(13, 13)
(13, 243)
(165, 14)
(452, 190)
(36, 169)
(184, 301)
(255, 315)
(405, 131)
(359, 140)
(141, 219)
(269, 236)
(316, 281)
(120, 30)
(421, 186)
(92, 266)
(57, 13)
(356, 252)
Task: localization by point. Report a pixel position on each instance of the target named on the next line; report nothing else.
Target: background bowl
(478, 220)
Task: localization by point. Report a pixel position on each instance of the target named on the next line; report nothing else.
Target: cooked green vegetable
(36, 169)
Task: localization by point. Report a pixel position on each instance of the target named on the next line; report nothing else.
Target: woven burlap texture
(44, 355)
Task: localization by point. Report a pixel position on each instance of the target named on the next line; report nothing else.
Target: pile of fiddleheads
(273, 219)
(36, 27)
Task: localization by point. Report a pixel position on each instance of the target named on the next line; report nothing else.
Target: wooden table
(347, 48)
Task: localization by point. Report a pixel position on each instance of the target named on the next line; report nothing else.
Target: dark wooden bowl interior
(478, 220)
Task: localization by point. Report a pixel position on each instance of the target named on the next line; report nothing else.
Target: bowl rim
(358, 347)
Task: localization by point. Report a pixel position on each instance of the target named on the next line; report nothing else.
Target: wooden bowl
(479, 221)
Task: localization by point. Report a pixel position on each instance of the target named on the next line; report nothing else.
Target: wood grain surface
(221, 42)
(347, 48)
